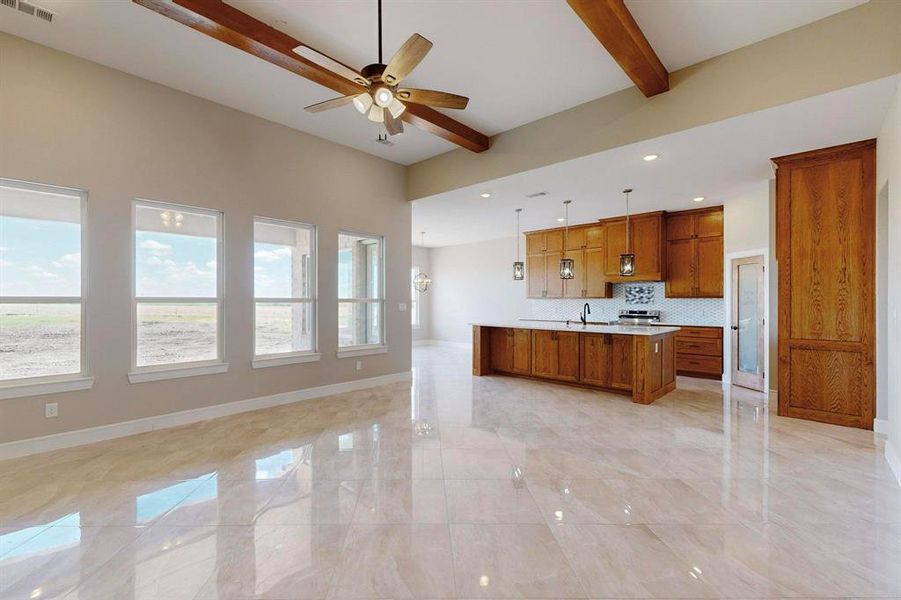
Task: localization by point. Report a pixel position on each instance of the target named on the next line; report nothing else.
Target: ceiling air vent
(536, 195)
(29, 9)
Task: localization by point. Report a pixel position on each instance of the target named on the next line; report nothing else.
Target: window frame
(47, 384)
(183, 369)
(301, 356)
(381, 301)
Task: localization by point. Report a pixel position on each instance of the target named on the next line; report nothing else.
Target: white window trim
(186, 369)
(260, 361)
(49, 384)
(364, 349)
(415, 304)
(351, 351)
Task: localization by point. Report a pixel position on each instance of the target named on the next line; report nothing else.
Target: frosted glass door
(748, 322)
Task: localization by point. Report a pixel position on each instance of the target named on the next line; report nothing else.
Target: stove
(638, 317)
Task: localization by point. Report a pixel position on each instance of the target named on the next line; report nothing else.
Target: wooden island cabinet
(638, 361)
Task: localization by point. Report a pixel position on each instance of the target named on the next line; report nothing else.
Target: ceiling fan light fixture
(362, 102)
(396, 108)
(383, 97)
(377, 114)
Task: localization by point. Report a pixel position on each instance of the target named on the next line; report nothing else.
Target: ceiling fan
(384, 102)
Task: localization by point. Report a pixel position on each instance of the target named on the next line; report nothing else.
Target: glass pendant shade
(566, 268)
(396, 108)
(519, 271)
(422, 282)
(362, 102)
(627, 265)
(377, 114)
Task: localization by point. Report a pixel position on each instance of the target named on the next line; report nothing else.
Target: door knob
(734, 328)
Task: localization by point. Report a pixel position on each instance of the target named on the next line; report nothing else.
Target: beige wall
(854, 46)
(888, 188)
(70, 122)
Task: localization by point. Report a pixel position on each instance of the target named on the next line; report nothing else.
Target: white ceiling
(500, 53)
(718, 161)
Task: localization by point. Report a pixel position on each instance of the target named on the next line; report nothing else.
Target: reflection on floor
(488, 487)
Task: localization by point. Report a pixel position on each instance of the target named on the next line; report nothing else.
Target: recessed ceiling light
(485, 194)
(650, 157)
(560, 220)
(698, 198)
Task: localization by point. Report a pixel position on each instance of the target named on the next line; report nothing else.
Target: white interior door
(748, 322)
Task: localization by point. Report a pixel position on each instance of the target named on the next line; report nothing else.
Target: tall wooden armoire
(826, 251)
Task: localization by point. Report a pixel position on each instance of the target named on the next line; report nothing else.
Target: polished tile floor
(461, 487)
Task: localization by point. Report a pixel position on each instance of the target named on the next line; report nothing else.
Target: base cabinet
(699, 352)
(555, 355)
(511, 350)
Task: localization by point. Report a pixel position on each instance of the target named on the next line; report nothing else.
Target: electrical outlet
(402, 307)
(359, 365)
(51, 410)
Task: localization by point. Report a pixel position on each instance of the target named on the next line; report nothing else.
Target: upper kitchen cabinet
(584, 244)
(694, 253)
(647, 241)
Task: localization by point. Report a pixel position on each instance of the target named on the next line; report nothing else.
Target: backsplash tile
(685, 311)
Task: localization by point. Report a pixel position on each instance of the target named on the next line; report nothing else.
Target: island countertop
(577, 327)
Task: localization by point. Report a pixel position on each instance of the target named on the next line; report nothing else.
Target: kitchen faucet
(586, 310)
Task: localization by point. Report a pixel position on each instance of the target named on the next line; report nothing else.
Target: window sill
(278, 361)
(39, 388)
(158, 374)
(352, 351)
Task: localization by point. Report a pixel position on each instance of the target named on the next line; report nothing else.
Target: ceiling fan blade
(329, 104)
(335, 66)
(433, 98)
(406, 58)
(393, 124)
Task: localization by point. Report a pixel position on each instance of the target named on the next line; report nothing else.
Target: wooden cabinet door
(522, 351)
(654, 373)
(615, 232)
(501, 348)
(595, 359)
(567, 355)
(708, 224)
(679, 227)
(825, 232)
(544, 354)
(680, 269)
(669, 360)
(594, 236)
(596, 285)
(646, 240)
(553, 285)
(709, 267)
(554, 240)
(536, 272)
(621, 364)
(536, 242)
(575, 238)
(575, 287)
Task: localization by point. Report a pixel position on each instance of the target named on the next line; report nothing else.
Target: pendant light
(627, 260)
(422, 281)
(519, 269)
(566, 264)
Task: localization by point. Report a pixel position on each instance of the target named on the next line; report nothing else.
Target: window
(178, 288)
(42, 286)
(284, 285)
(361, 291)
(414, 302)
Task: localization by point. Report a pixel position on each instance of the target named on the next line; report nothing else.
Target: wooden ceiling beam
(613, 25)
(227, 24)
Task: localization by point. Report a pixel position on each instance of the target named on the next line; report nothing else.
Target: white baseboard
(80, 437)
(443, 343)
(880, 426)
(894, 460)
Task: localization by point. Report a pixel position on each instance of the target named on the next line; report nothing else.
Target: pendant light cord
(380, 31)
(628, 236)
(518, 210)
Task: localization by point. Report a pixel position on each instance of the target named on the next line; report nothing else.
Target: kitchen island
(632, 360)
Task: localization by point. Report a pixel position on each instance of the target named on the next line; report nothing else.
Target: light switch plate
(51, 410)
(359, 365)
(402, 307)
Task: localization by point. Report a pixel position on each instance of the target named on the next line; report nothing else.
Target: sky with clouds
(39, 258)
